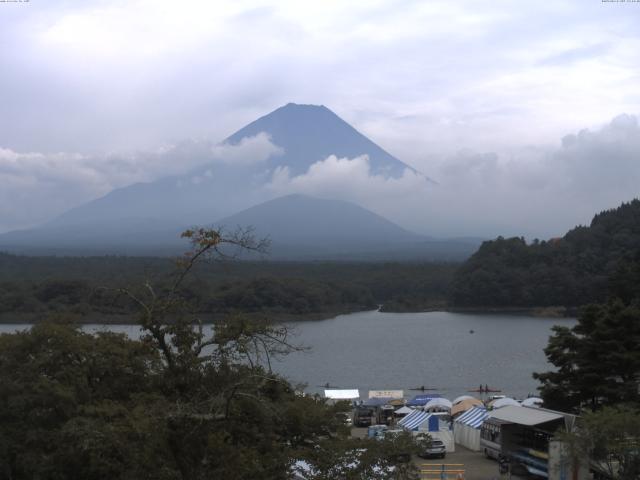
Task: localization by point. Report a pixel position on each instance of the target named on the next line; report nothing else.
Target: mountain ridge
(310, 220)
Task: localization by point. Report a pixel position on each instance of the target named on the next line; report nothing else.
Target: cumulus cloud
(38, 186)
(542, 191)
(248, 151)
(349, 178)
(531, 191)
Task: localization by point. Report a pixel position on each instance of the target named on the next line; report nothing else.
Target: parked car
(435, 449)
(345, 418)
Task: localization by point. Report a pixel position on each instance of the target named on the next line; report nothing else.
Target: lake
(375, 350)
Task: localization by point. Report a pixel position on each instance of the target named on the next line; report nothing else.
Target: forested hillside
(31, 288)
(569, 271)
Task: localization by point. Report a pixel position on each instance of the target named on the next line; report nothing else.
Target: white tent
(335, 394)
(503, 402)
(438, 403)
(466, 428)
(403, 411)
(532, 402)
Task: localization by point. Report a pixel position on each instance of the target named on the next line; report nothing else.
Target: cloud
(599, 163)
(346, 178)
(424, 77)
(536, 191)
(248, 151)
(576, 54)
(38, 186)
(531, 191)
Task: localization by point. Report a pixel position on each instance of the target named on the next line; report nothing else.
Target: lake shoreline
(126, 319)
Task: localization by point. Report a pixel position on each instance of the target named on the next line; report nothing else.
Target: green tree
(597, 361)
(611, 439)
(58, 381)
(183, 402)
(347, 459)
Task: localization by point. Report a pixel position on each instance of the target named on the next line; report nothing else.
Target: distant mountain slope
(304, 134)
(132, 236)
(310, 133)
(302, 220)
(569, 271)
(300, 228)
(306, 228)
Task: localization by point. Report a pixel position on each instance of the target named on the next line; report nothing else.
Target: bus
(491, 438)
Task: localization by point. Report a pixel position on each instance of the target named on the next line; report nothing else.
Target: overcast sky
(479, 95)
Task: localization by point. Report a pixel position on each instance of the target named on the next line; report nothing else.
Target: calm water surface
(374, 350)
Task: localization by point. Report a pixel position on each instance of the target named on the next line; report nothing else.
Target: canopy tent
(464, 405)
(503, 402)
(466, 428)
(474, 417)
(419, 420)
(438, 403)
(461, 398)
(532, 402)
(335, 394)
(404, 411)
(420, 400)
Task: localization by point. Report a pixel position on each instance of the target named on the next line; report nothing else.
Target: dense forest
(32, 288)
(570, 271)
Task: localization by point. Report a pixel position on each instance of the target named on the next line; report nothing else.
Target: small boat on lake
(484, 389)
(327, 385)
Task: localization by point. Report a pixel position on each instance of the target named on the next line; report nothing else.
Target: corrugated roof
(524, 415)
(474, 417)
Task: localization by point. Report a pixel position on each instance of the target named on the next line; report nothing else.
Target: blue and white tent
(473, 417)
(419, 420)
(466, 428)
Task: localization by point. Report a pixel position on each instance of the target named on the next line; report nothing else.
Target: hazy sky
(479, 95)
